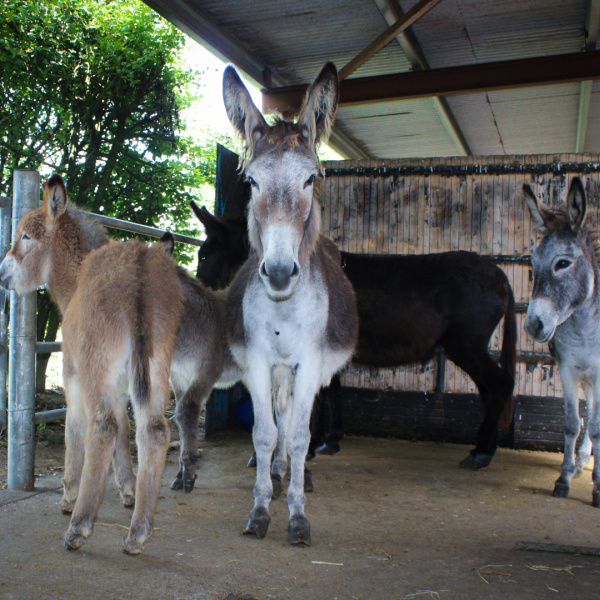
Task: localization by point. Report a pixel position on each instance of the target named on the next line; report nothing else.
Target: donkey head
(45, 237)
(282, 167)
(27, 264)
(225, 249)
(564, 263)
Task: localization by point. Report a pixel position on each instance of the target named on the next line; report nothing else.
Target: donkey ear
(242, 112)
(318, 110)
(167, 241)
(212, 224)
(55, 197)
(537, 213)
(577, 204)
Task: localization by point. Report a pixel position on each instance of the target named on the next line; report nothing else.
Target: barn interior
(446, 109)
(440, 124)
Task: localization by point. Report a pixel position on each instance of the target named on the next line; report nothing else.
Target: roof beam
(544, 70)
(404, 22)
(592, 23)
(392, 12)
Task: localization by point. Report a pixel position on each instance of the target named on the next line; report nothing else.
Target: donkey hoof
(299, 531)
(328, 448)
(308, 482)
(132, 547)
(177, 483)
(476, 461)
(561, 490)
(596, 499)
(277, 487)
(258, 523)
(252, 461)
(188, 485)
(73, 541)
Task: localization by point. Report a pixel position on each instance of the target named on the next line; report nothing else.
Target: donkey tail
(141, 340)
(508, 354)
(140, 365)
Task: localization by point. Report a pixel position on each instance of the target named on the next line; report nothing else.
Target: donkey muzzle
(279, 277)
(541, 321)
(6, 273)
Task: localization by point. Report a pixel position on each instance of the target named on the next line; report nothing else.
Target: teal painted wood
(229, 199)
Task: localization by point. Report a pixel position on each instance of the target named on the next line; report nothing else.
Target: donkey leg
(99, 447)
(336, 428)
(152, 438)
(279, 463)
(570, 386)
(187, 414)
(305, 391)
(264, 437)
(122, 464)
(495, 389)
(585, 450)
(317, 424)
(594, 434)
(74, 439)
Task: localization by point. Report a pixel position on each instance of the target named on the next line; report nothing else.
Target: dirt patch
(390, 520)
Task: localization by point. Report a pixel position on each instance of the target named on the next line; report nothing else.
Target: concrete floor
(390, 520)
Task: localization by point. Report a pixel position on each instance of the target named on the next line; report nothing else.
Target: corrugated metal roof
(294, 40)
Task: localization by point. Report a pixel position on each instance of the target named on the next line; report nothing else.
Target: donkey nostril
(295, 270)
(263, 269)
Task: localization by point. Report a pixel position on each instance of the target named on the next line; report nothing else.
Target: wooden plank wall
(434, 205)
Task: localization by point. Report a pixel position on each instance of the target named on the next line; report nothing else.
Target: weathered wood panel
(435, 205)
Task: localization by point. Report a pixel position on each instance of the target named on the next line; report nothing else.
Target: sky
(210, 111)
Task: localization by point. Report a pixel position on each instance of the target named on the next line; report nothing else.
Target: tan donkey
(121, 305)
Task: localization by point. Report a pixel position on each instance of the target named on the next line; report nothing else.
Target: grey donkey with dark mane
(291, 310)
(564, 311)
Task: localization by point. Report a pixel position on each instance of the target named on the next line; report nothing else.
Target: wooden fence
(435, 205)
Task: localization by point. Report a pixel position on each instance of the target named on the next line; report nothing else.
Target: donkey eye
(251, 181)
(25, 237)
(562, 264)
(310, 180)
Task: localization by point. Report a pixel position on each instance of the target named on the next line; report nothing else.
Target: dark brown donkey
(407, 306)
(291, 309)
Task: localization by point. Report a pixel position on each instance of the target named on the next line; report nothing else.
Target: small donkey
(564, 310)
(121, 305)
(201, 361)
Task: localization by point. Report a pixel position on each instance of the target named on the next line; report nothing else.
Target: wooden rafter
(413, 15)
(392, 12)
(450, 81)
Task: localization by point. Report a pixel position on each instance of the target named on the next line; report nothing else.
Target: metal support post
(21, 358)
(5, 217)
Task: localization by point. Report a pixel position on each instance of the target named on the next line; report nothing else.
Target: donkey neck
(583, 326)
(66, 268)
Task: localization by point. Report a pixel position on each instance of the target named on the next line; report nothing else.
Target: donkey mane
(557, 219)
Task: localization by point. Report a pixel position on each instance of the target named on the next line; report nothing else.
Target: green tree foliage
(92, 89)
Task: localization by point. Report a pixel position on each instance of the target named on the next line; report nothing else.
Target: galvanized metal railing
(18, 353)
